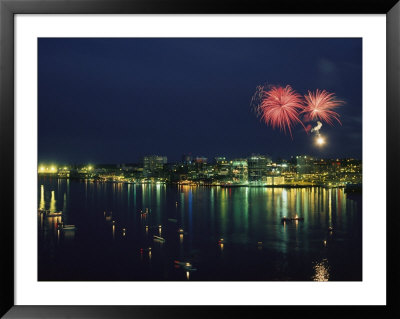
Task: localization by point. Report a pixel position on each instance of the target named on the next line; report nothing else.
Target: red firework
(279, 107)
(319, 106)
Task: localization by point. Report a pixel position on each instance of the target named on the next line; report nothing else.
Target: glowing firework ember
(279, 107)
(320, 140)
(319, 106)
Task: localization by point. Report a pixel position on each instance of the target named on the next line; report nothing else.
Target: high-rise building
(257, 168)
(239, 170)
(201, 160)
(304, 164)
(187, 159)
(153, 165)
(222, 166)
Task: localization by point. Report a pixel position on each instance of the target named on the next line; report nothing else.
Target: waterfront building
(64, 172)
(257, 168)
(275, 180)
(239, 170)
(222, 167)
(44, 169)
(153, 165)
(304, 164)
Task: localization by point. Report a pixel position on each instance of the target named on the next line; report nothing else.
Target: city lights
(47, 169)
(255, 170)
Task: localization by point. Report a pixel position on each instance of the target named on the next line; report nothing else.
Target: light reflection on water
(244, 217)
(321, 270)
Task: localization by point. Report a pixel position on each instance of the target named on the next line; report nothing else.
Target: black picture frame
(8, 8)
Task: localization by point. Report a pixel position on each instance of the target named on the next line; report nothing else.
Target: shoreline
(204, 185)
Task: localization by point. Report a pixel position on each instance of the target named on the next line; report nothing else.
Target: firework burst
(319, 105)
(278, 106)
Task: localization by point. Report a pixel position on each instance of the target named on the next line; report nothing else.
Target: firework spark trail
(320, 140)
(317, 128)
(279, 107)
(319, 106)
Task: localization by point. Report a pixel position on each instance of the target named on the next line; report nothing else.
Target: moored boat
(289, 219)
(52, 214)
(158, 238)
(185, 265)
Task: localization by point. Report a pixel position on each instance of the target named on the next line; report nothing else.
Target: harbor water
(208, 233)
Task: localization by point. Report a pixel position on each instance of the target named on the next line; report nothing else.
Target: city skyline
(118, 100)
(194, 157)
(255, 170)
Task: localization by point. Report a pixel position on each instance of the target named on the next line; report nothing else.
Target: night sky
(116, 100)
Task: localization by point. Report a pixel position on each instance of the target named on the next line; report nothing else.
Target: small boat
(172, 220)
(68, 227)
(289, 219)
(108, 216)
(185, 265)
(180, 231)
(158, 238)
(330, 228)
(52, 214)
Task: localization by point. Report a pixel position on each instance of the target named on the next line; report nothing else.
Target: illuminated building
(257, 168)
(304, 164)
(239, 170)
(44, 169)
(153, 165)
(222, 166)
(275, 180)
(187, 159)
(201, 160)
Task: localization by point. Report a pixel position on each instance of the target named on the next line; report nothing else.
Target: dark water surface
(256, 244)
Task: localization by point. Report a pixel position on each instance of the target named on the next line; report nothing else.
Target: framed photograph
(167, 159)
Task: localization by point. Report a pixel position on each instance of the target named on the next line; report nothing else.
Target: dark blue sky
(116, 100)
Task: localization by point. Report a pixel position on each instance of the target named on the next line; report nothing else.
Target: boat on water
(145, 212)
(49, 213)
(108, 216)
(68, 227)
(289, 219)
(185, 265)
(63, 227)
(158, 238)
(52, 214)
(172, 220)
